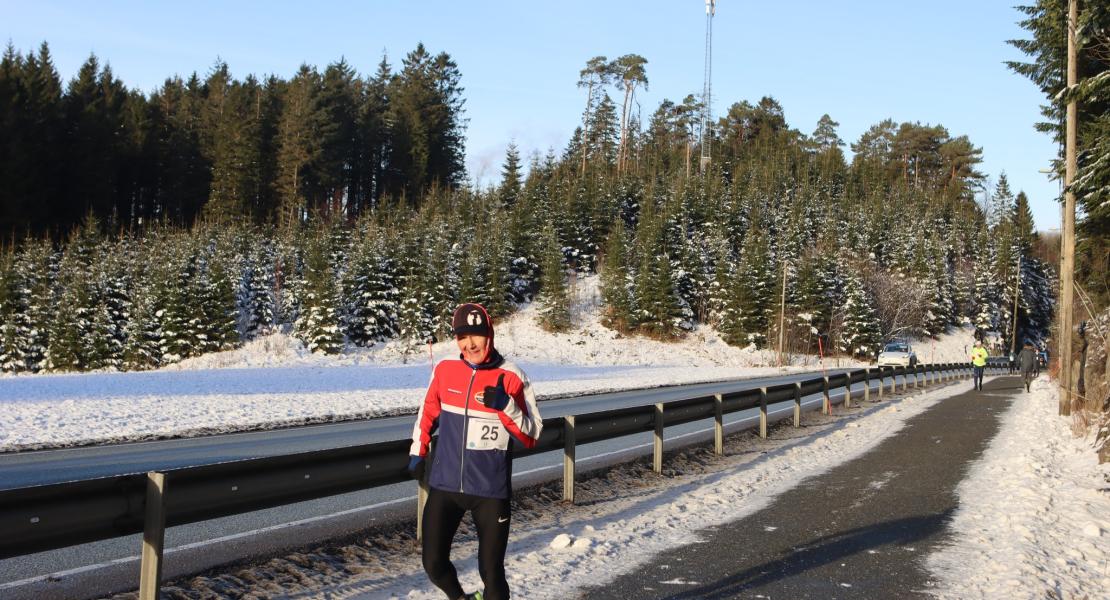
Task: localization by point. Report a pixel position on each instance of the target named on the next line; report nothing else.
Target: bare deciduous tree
(902, 302)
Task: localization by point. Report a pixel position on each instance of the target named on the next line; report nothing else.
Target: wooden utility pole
(1017, 294)
(782, 311)
(1067, 241)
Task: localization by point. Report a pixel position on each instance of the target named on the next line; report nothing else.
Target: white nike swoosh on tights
(502, 519)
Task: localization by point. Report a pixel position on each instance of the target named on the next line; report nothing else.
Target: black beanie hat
(471, 319)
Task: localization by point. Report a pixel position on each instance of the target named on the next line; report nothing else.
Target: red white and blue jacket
(474, 451)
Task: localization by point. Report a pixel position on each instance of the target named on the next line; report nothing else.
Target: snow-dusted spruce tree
(861, 334)
(35, 267)
(985, 296)
(9, 307)
(616, 292)
(115, 307)
(416, 322)
(72, 343)
(175, 304)
(497, 255)
(747, 312)
(660, 312)
(528, 216)
(370, 290)
(219, 285)
(289, 277)
(808, 302)
(555, 304)
(318, 323)
(256, 302)
(142, 331)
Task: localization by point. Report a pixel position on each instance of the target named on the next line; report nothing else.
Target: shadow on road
(824, 550)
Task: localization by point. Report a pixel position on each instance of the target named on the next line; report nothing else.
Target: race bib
(486, 434)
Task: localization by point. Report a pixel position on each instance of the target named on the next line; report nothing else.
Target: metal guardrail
(46, 517)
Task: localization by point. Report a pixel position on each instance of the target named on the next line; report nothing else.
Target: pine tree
(746, 317)
(219, 286)
(616, 281)
(35, 270)
(142, 331)
(862, 332)
(298, 144)
(74, 335)
(9, 308)
(318, 323)
(659, 310)
(370, 292)
(510, 177)
(256, 302)
(555, 313)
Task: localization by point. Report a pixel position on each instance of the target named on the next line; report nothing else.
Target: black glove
(416, 467)
(495, 396)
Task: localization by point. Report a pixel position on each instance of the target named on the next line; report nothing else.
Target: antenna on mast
(707, 91)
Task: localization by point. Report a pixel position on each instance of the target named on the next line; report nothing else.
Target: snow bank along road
(225, 539)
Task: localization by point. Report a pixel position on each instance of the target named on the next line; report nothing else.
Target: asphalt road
(112, 564)
(861, 530)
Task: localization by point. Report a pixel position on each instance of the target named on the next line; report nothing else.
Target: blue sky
(859, 61)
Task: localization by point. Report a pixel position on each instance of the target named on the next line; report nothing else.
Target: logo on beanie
(474, 318)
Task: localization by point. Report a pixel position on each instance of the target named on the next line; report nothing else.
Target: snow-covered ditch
(1034, 515)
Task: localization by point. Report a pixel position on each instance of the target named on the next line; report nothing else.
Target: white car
(897, 354)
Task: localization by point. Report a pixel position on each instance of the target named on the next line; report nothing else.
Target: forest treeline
(335, 207)
(264, 150)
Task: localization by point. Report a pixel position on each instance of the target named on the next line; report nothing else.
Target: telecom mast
(707, 92)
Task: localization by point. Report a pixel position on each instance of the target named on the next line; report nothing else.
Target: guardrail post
(848, 391)
(568, 459)
(915, 377)
(881, 384)
(893, 380)
(797, 404)
(657, 459)
(867, 384)
(763, 412)
(718, 424)
(826, 403)
(905, 380)
(154, 536)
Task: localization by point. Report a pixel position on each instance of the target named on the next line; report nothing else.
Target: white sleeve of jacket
(522, 413)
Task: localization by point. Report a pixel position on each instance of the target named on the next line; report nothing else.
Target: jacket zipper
(466, 425)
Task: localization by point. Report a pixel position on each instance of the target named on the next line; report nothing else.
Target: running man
(978, 362)
(477, 403)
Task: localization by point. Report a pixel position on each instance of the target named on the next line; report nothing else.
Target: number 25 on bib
(486, 434)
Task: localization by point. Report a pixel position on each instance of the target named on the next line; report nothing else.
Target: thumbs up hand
(495, 396)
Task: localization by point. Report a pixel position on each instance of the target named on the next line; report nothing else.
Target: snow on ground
(275, 382)
(1034, 516)
(619, 522)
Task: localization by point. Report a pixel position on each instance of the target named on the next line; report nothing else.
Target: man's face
(473, 347)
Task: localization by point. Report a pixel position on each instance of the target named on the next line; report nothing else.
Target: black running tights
(442, 515)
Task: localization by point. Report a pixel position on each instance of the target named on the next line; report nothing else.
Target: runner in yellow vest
(978, 361)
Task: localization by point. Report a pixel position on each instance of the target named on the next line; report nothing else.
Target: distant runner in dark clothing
(1027, 361)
